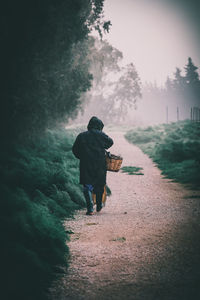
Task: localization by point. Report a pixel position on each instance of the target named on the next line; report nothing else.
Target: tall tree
(115, 89)
(127, 91)
(179, 80)
(193, 83)
(191, 76)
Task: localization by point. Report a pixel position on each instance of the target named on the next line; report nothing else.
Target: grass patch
(132, 170)
(174, 147)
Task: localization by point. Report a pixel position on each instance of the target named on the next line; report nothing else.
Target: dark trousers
(98, 190)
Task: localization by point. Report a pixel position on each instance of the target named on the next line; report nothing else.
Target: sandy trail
(142, 245)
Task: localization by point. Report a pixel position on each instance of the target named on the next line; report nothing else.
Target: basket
(113, 162)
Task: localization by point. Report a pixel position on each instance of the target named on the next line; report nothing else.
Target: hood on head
(95, 123)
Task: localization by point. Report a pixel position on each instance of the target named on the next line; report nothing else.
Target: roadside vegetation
(39, 188)
(173, 147)
(130, 170)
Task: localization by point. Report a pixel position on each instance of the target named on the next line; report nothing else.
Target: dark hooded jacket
(89, 147)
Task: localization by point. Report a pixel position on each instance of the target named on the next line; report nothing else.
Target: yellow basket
(113, 162)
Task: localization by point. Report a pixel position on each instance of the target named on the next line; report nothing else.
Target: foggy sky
(156, 35)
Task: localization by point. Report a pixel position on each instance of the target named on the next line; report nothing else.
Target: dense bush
(174, 147)
(39, 187)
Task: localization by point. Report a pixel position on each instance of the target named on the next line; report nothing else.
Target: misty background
(158, 38)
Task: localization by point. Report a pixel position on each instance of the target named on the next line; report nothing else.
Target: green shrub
(174, 147)
(186, 171)
(39, 188)
(33, 246)
(143, 136)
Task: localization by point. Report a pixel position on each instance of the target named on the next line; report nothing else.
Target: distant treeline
(175, 99)
(184, 89)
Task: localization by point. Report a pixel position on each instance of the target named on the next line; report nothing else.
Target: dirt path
(143, 245)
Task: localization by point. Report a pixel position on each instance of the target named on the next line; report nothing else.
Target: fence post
(167, 114)
(177, 111)
(193, 114)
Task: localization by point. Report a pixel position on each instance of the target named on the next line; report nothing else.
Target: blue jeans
(98, 190)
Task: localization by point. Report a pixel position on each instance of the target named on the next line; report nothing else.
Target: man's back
(91, 144)
(89, 147)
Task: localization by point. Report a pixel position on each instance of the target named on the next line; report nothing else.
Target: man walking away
(89, 147)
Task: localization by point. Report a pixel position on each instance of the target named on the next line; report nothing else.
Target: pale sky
(155, 35)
